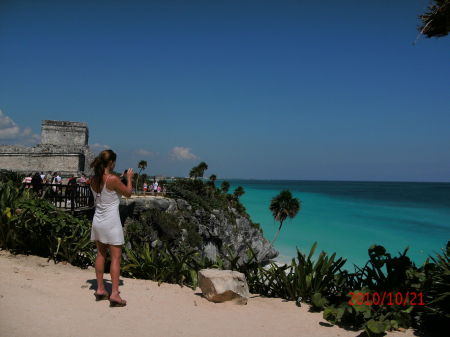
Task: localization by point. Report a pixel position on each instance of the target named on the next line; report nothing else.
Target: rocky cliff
(219, 229)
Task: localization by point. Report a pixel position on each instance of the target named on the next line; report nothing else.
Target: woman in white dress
(107, 229)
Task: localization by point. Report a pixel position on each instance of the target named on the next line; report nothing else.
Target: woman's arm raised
(119, 187)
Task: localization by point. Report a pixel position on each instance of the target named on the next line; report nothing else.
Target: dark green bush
(205, 196)
(47, 231)
(10, 196)
(195, 192)
(155, 224)
(33, 226)
(15, 178)
(161, 264)
(166, 225)
(435, 314)
(382, 274)
(304, 280)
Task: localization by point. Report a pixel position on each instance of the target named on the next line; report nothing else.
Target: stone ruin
(64, 148)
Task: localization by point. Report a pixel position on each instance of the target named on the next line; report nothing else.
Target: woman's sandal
(113, 303)
(101, 297)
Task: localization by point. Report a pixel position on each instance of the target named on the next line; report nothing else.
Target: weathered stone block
(223, 285)
(64, 133)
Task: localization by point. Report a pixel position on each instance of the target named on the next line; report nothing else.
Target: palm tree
(436, 21)
(142, 165)
(213, 178)
(238, 192)
(144, 177)
(194, 172)
(197, 171)
(282, 207)
(225, 186)
(202, 167)
(211, 187)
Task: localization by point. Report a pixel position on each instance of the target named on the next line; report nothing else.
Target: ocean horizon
(347, 217)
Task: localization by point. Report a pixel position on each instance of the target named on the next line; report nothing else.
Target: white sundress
(106, 225)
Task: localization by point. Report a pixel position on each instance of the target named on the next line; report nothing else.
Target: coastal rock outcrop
(223, 285)
(221, 230)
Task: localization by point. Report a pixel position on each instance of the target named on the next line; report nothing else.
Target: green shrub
(41, 229)
(305, 279)
(435, 314)
(382, 274)
(156, 224)
(14, 177)
(167, 225)
(195, 192)
(10, 195)
(375, 320)
(160, 264)
(205, 196)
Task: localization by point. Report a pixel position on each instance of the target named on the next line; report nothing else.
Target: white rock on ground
(223, 285)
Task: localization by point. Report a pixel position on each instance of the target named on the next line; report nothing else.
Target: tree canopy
(239, 191)
(436, 20)
(198, 171)
(142, 165)
(282, 206)
(225, 186)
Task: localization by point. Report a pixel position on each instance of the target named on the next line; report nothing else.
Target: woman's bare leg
(116, 256)
(102, 250)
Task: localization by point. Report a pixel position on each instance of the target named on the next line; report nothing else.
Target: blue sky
(332, 90)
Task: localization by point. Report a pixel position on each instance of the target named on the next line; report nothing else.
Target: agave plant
(436, 311)
(160, 264)
(10, 196)
(305, 277)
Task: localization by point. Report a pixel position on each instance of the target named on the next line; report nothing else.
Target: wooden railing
(71, 197)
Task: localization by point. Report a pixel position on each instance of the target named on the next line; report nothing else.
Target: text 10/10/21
(386, 298)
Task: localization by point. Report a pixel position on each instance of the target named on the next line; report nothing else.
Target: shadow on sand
(108, 284)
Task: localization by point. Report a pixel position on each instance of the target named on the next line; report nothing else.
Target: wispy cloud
(144, 153)
(13, 133)
(99, 147)
(182, 153)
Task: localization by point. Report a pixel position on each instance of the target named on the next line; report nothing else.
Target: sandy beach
(39, 298)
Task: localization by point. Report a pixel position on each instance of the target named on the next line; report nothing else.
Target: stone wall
(67, 164)
(64, 133)
(64, 148)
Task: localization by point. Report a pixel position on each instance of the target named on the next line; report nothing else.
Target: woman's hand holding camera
(129, 174)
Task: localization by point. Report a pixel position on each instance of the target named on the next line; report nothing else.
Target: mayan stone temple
(64, 148)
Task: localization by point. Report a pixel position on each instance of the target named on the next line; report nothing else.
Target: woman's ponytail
(100, 163)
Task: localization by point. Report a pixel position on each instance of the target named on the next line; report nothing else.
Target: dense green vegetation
(13, 177)
(205, 195)
(32, 226)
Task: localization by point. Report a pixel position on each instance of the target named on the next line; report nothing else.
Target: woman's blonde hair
(101, 162)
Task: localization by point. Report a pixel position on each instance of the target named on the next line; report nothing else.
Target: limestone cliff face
(219, 228)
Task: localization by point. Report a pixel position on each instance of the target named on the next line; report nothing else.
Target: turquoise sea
(348, 217)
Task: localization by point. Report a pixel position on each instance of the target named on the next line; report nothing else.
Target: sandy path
(38, 298)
